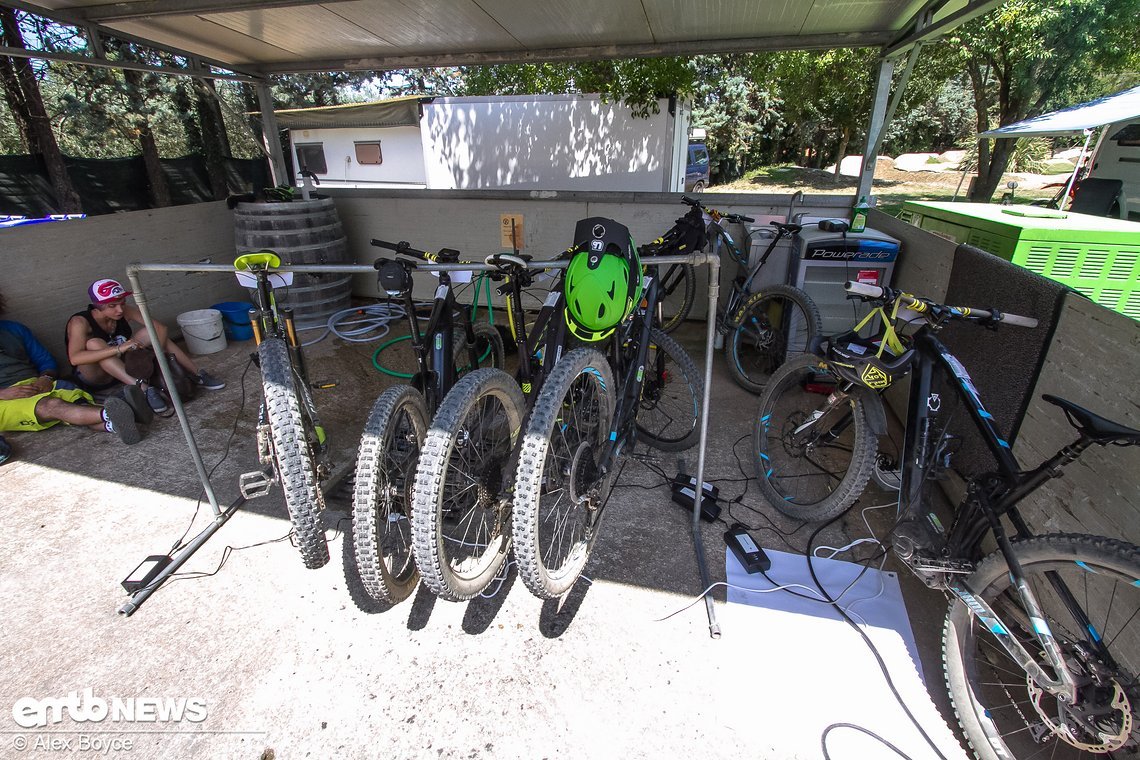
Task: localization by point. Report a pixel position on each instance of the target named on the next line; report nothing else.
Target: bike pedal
(255, 484)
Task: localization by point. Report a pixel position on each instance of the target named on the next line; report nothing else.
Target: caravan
(1117, 156)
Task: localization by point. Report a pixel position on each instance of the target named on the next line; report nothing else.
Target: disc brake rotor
(1112, 720)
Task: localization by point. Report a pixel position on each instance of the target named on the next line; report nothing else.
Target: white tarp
(1075, 119)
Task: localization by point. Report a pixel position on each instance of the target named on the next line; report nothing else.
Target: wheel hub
(583, 474)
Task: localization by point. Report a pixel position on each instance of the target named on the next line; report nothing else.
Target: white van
(1117, 156)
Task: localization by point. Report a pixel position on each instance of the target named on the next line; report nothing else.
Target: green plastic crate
(1097, 256)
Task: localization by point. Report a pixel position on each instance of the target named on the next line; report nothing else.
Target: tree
(739, 110)
(22, 94)
(1028, 56)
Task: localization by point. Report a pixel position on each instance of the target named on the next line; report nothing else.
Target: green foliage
(942, 121)
(1029, 156)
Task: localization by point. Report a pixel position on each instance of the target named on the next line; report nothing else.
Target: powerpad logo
(85, 707)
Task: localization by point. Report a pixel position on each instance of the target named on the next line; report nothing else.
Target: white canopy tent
(1083, 118)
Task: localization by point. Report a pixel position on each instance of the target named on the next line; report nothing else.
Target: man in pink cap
(100, 337)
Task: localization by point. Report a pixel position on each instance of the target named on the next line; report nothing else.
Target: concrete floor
(293, 663)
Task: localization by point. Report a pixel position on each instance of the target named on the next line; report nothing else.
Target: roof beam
(94, 30)
(696, 47)
(916, 32)
(144, 9)
(107, 63)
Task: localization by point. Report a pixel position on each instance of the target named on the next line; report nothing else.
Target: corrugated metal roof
(277, 36)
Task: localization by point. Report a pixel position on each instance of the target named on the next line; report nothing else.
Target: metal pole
(713, 262)
(168, 378)
(271, 135)
(1076, 169)
(876, 126)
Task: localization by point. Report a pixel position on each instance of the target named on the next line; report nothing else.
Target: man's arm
(37, 354)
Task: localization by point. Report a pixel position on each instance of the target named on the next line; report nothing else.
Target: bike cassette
(256, 483)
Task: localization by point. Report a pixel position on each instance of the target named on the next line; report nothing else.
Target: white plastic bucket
(202, 329)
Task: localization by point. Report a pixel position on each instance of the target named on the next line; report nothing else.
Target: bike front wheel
(669, 411)
(1087, 589)
(558, 486)
(771, 327)
(381, 507)
(293, 451)
(460, 515)
(812, 445)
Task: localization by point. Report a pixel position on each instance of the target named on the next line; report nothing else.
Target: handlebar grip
(403, 247)
(744, 218)
(384, 244)
(1017, 320)
(690, 201)
(863, 289)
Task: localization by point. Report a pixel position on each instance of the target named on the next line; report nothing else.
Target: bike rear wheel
(771, 327)
(293, 442)
(1000, 713)
(558, 488)
(488, 348)
(669, 411)
(381, 507)
(814, 449)
(678, 290)
(460, 517)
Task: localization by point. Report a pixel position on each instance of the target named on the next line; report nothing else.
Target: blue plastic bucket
(235, 319)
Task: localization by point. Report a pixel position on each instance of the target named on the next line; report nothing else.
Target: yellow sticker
(875, 378)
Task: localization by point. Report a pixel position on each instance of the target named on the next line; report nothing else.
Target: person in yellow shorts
(33, 398)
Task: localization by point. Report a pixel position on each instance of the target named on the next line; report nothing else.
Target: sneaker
(5, 450)
(120, 420)
(155, 400)
(137, 401)
(207, 381)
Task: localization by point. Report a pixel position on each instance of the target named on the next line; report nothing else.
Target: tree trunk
(41, 138)
(156, 178)
(15, 100)
(214, 138)
(841, 153)
(990, 177)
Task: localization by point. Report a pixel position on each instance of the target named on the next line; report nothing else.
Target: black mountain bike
(760, 329)
(1042, 638)
(581, 425)
(448, 345)
(290, 438)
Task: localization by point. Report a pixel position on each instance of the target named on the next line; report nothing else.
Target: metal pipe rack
(222, 515)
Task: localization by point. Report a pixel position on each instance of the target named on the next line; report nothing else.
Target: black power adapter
(747, 551)
(145, 573)
(684, 490)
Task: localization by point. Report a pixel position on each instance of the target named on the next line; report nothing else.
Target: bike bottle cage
(1098, 428)
(257, 260)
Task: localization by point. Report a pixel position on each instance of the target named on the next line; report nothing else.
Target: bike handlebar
(930, 308)
(735, 218)
(404, 248)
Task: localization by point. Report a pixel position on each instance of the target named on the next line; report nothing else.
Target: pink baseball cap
(103, 292)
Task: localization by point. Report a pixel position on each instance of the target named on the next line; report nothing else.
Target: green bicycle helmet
(603, 281)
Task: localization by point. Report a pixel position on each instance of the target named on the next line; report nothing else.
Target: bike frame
(981, 511)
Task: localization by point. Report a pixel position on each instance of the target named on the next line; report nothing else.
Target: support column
(876, 126)
(272, 136)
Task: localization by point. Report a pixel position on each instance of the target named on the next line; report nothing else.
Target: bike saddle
(258, 260)
(1094, 426)
(791, 229)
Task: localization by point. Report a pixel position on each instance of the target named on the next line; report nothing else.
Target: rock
(917, 162)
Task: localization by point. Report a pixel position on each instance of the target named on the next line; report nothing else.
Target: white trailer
(537, 142)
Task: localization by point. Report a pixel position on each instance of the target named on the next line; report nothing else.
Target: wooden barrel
(300, 232)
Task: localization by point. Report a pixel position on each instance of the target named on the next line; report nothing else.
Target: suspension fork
(1063, 687)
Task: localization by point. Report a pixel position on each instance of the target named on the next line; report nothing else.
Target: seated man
(98, 338)
(30, 398)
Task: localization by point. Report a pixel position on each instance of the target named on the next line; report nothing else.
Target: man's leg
(115, 416)
(172, 349)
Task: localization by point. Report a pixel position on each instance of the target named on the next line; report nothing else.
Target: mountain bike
(1040, 642)
(581, 425)
(762, 329)
(450, 343)
(290, 438)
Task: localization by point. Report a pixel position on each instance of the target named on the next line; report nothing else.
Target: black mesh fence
(106, 186)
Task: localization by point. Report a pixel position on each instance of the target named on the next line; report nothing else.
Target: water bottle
(859, 215)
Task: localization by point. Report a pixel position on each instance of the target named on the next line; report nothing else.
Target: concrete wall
(402, 153)
(47, 267)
